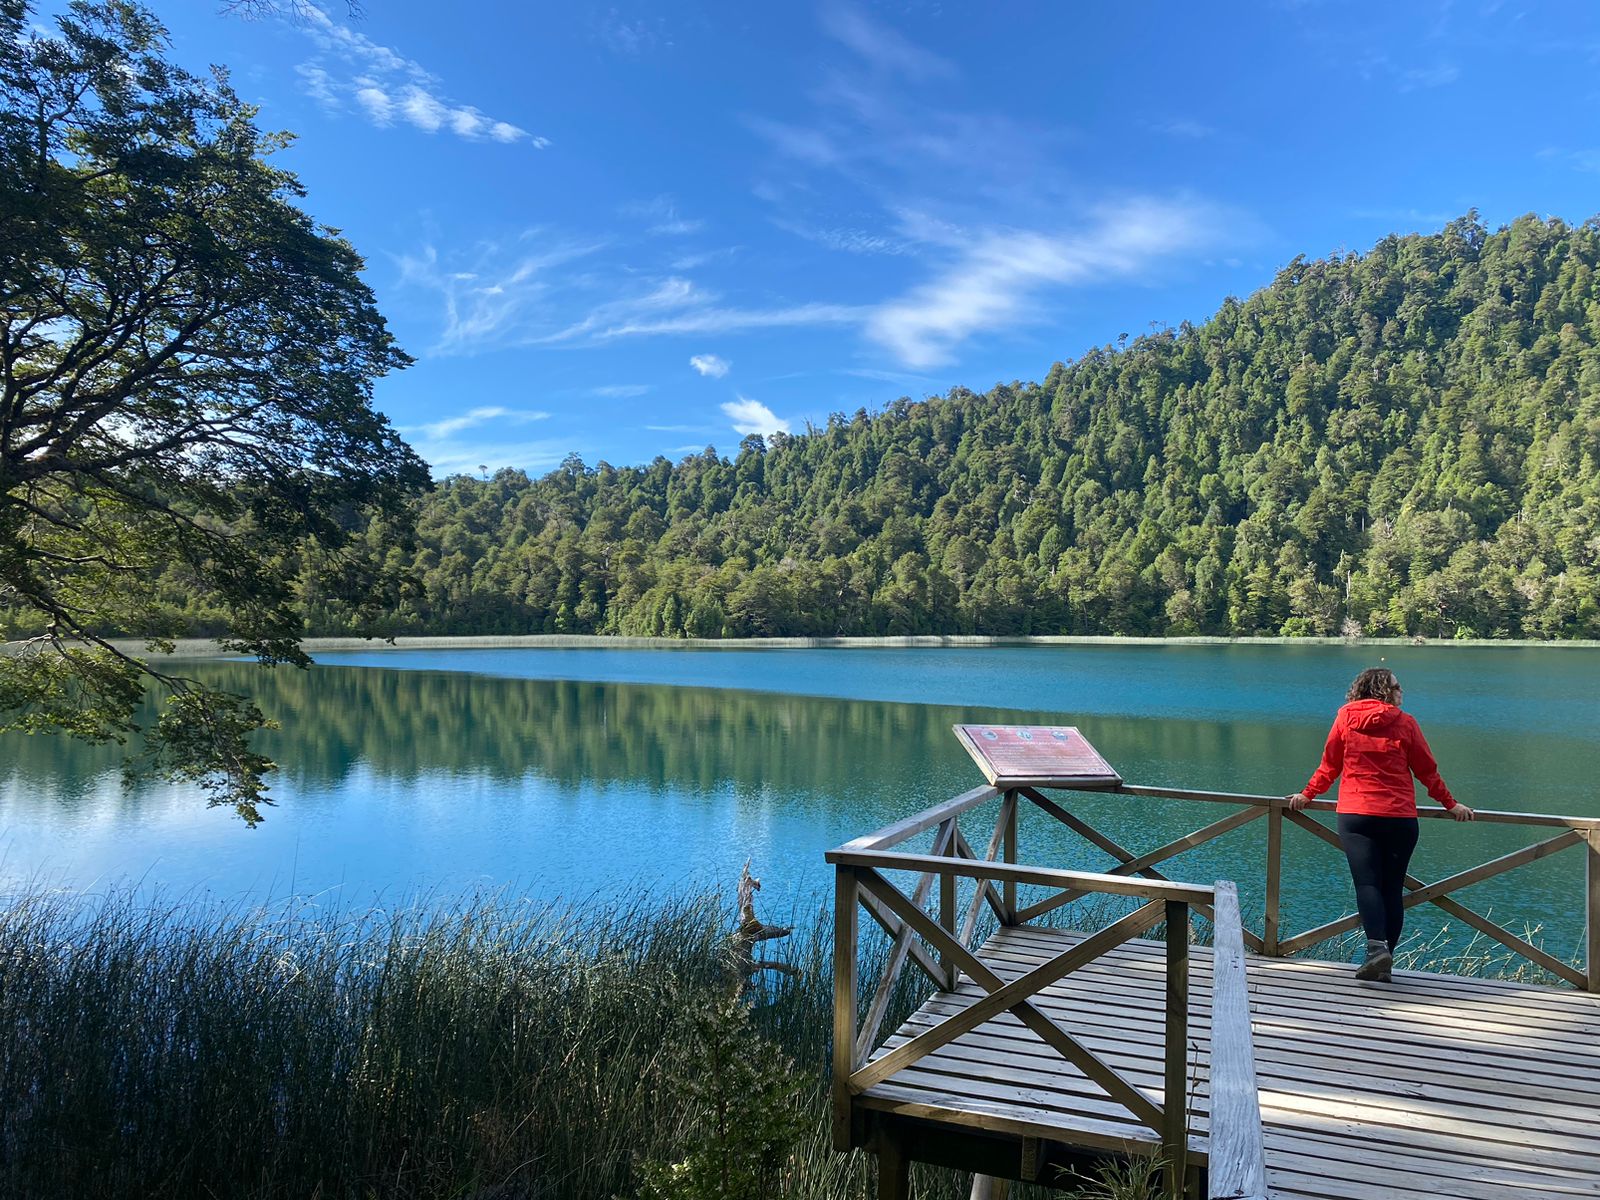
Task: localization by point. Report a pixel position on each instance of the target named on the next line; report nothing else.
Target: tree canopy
(1402, 442)
(187, 362)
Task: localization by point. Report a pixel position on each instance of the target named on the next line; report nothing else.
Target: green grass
(486, 1049)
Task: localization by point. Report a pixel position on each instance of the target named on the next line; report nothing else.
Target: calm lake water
(579, 773)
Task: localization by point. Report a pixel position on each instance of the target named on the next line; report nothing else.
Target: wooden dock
(1040, 1050)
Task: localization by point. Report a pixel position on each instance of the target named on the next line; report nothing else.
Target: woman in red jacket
(1377, 748)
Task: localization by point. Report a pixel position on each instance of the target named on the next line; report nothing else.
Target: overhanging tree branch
(187, 364)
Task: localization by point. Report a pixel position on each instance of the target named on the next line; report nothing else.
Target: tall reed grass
(488, 1048)
(483, 1049)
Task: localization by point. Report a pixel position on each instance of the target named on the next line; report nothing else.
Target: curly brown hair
(1375, 683)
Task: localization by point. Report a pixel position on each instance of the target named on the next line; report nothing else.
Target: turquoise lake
(579, 774)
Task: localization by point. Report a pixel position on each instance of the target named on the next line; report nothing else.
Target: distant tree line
(1401, 442)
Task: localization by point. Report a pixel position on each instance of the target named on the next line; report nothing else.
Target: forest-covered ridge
(1404, 441)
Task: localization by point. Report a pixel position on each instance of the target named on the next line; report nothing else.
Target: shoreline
(207, 648)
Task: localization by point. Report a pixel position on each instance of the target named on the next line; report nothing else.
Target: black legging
(1379, 850)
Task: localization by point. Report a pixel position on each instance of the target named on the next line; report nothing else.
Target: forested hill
(1405, 441)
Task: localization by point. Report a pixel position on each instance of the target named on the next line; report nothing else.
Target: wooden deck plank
(983, 1054)
(1563, 1009)
(1306, 1112)
(1434, 1086)
(1536, 998)
(1387, 1056)
(1338, 1000)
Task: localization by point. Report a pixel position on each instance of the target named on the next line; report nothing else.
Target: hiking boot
(1378, 962)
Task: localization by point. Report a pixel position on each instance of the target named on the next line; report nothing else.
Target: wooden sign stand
(1036, 756)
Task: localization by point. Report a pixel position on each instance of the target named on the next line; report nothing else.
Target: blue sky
(635, 229)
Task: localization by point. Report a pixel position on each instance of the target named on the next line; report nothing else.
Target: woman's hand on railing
(1298, 801)
(1462, 813)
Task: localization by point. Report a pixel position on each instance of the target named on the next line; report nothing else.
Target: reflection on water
(395, 781)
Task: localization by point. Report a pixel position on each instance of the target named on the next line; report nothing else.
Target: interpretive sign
(1038, 755)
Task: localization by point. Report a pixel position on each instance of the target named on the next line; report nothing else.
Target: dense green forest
(1400, 442)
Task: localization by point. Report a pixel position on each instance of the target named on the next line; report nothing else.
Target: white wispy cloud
(1582, 160)
(680, 428)
(843, 238)
(622, 391)
(677, 306)
(534, 457)
(752, 416)
(1184, 127)
(992, 281)
(450, 426)
(667, 295)
(710, 365)
(814, 146)
(493, 296)
(701, 258)
(664, 218)
(895, 377)
(506, 293)
(387, 87)
(882, 47)
(632, 39)
(736, 320)
(1412, 79)
(318, 84)
(887, 124)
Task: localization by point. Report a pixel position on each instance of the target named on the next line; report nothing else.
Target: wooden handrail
(1490, 816)
(1082, 881)
(893, 835)
(1237, 1156)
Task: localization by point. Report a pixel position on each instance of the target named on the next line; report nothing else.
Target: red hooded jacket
(1378, 748)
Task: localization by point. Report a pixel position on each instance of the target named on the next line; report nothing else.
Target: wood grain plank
(1490, 816)
(1238, 1162)
(1112, 885)
(900, 831)
(845, 888)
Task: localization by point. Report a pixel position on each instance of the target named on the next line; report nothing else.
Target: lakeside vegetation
(487, 1048)
(1404, 442)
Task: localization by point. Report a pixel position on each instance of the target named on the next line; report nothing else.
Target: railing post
(1592, 855)
(1269, 932)
(1009, 893)
(1174, 1096)
(947, 919)
(846, 900)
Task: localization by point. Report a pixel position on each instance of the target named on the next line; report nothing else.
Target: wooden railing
(1575, 831)
(940, 944)
(1236, 1167)
(860, 885)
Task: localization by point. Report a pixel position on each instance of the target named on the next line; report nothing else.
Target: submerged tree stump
(750, 932)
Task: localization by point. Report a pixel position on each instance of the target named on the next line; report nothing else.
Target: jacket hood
(1371, 716)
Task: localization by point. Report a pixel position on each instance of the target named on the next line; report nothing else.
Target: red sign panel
(1042, 754)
